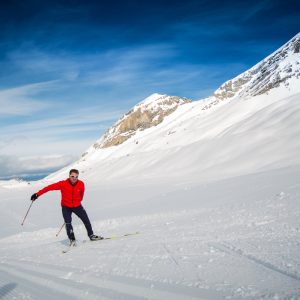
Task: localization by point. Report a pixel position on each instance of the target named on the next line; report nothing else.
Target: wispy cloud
(256, 8)
(31, 59)
(69, 133)
(15, 166)
(47, 144)
(118, 74)
(21, 101)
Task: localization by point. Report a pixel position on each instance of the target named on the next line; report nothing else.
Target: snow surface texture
(213, 192)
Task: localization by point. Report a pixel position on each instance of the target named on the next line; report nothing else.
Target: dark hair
(73, 171)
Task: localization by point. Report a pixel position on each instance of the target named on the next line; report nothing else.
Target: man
(72, 191)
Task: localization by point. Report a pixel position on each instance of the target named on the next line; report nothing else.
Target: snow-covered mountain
(250, 123)
(150, 112)
(281, 68)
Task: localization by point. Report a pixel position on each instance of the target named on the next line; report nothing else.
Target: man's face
(73, 177)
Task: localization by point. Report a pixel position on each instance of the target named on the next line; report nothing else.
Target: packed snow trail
(100, 286)
(233, 239)
(67, 281)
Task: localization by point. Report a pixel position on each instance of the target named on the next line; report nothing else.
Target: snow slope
(236, 238)
(213, 191)
(233, 138)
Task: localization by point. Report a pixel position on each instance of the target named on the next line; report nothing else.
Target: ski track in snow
(227, 248)
(101, 286)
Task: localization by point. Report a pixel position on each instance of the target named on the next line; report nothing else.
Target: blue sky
(70, 69)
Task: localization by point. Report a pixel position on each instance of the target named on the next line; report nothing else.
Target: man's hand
(34, 197)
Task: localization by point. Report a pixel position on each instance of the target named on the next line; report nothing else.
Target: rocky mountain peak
(150, 112)
(275, 70)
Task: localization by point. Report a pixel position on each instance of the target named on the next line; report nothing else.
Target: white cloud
(129, 65)
(89, 119)
(20, 101)
(112, 67)
(53, 127)
(45, 145)
(17, 166)
(35, 60)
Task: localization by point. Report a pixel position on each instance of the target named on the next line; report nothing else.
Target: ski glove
(34, 197)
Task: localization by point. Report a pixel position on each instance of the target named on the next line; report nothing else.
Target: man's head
(73, 175)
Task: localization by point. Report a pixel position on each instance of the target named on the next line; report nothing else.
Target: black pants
(80, 212)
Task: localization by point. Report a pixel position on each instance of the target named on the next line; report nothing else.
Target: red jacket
(71, 195)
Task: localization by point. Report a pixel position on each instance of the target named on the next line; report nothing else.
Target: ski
(113, 237)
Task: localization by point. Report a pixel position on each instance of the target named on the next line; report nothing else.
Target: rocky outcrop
(146, 114)
(297, 48)
(270, 73)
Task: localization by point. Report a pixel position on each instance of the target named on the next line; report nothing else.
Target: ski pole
(27, 213)
(60, 229)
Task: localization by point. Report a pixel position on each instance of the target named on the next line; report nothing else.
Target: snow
(213, 193)
(234, 238)
(151, 99)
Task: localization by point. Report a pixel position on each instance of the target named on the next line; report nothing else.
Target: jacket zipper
(73, 195)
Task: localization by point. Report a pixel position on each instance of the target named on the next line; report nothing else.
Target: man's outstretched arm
(51, 187)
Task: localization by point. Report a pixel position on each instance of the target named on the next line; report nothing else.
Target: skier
(72, 191)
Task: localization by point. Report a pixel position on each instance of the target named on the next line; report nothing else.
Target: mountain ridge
(209, 136)
(274, 70)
